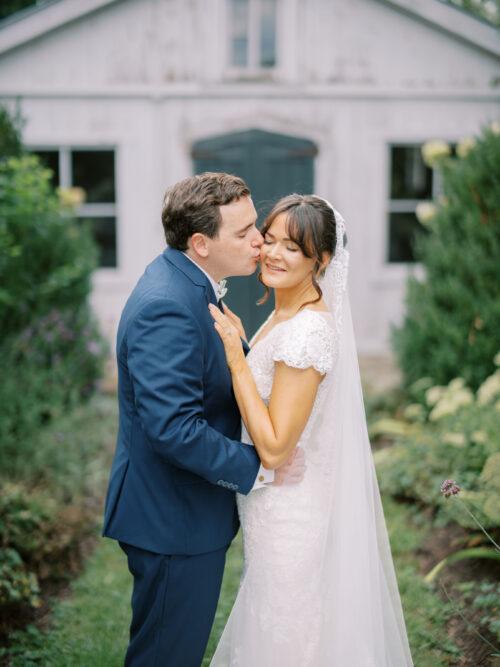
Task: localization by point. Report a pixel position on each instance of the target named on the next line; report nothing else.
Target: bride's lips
(274, 269)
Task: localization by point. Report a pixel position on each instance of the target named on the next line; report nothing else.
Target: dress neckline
(309, 310)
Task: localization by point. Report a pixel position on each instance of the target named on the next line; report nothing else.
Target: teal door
(273, 165)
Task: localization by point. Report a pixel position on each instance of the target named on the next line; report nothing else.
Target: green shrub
(10, 135)
(47, 369)
(460, 440)
(51, 353)
(452, 323)
(46, 259)
(52, 504)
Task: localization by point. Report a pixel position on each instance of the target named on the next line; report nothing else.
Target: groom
(179, 459)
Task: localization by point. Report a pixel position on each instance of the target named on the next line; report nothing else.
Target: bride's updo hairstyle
(310, 223)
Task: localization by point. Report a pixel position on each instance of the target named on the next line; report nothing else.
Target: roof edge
(451, 20)
(33, 22)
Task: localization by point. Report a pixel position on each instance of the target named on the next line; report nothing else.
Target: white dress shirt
(263, 476)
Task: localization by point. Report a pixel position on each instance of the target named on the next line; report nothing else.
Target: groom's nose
(258, 239)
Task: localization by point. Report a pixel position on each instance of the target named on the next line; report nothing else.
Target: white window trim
(92, 210)
(403, 205)
(391, 274)
(253, 71)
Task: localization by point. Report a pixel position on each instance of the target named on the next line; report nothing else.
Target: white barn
(124, 97)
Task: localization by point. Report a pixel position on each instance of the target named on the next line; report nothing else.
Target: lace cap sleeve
(306, 341)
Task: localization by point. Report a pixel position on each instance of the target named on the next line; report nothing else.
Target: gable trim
(38, 21)
(453, 21)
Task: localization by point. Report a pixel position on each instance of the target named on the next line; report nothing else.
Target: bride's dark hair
(310, 224)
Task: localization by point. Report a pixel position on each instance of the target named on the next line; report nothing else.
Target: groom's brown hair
(192, 205)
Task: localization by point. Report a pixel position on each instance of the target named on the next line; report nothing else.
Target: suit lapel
(189, 269)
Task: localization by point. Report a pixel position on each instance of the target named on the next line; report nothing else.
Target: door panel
(273, 165)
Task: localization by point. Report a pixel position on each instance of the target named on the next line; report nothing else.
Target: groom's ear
(199, 245)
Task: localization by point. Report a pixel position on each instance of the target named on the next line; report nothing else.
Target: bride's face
(283, 264)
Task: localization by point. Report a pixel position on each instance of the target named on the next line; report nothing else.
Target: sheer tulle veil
(354, 616)
(363, 623)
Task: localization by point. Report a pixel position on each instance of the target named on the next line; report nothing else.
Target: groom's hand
(292, 471)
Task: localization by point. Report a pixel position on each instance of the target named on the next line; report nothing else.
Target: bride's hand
(230, 337)
(234, 319)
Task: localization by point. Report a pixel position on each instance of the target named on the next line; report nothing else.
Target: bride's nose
(273, 251)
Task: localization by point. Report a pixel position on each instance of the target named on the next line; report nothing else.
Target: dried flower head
(425, 212)
(434, 151)
(465, 146)
(449, 488)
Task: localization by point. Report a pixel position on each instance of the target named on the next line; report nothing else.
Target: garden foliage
(452, 323)
(451, 434)
(51, 356)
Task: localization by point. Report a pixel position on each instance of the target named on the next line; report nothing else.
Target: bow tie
(221, 290)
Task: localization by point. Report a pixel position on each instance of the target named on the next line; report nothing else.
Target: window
(93, 170)
(411, 181)
(252, 34)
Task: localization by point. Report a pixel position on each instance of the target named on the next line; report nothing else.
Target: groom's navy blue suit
(178, 461)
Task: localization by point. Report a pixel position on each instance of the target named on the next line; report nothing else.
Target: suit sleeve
(165, 361)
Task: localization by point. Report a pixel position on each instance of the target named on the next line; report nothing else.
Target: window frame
(403, 205)
(86, 210)
(252, 70)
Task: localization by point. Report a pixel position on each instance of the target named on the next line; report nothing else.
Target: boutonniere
(222, 291)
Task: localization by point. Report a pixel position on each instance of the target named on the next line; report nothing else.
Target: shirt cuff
(263, 478)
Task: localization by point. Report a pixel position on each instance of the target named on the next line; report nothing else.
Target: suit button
(261, 478)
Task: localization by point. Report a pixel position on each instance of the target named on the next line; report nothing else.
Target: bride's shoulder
(307, 339)
(310, 318)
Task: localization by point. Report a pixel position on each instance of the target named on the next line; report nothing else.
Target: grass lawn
(89, 627)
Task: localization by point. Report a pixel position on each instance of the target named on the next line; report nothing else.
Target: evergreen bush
(452, 323)
(46, 259)
(10, 135)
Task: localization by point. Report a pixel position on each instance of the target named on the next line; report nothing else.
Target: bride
(318, 586)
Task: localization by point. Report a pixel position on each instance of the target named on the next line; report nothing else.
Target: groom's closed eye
(242, 233)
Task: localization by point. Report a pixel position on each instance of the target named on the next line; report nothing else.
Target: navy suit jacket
(178, 457)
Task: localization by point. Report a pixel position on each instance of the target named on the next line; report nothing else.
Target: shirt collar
(219, 288)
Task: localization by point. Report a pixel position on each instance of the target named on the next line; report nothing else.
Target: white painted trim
(256, 91)
(42, 20)
(452, 21)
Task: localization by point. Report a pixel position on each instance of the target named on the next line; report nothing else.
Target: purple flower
(449, 488)
(93, 348)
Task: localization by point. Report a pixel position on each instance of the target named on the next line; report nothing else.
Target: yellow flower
(480, 437)
(495, 127)
(413, 411)
(425, 211)
(434, 151)
(465, 146)
(71, 197)
(433, 395)
(451, 399)
(457, 439)
(456, 383)
(489, 389)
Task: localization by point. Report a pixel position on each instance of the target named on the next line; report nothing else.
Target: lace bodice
(306, 340)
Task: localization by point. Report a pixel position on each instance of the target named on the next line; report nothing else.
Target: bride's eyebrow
(285, 238)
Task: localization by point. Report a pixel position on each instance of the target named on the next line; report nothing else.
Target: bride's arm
(274, 429)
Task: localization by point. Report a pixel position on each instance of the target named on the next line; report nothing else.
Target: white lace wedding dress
(281, 615)
(278, 605)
